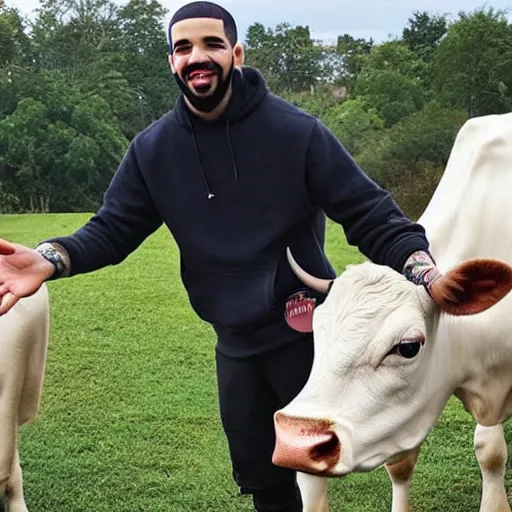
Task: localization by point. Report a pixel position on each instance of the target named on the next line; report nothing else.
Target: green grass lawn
(129, 418)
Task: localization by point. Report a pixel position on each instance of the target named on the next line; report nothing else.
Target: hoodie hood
(248, 91)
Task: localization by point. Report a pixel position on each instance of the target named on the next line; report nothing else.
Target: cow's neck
(468, 215)
(481, 358)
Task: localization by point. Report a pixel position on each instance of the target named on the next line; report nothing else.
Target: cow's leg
(14, 492)
(10, 392)
(8, 442)
(313, 490)
(400, 474)
(8, 434)
(491, 453)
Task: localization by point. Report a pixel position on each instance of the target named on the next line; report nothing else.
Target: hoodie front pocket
(238, 299)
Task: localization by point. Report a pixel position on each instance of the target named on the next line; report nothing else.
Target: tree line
(82, 77)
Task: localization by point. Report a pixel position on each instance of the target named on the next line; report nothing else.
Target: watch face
(52, 256)
(60, 260)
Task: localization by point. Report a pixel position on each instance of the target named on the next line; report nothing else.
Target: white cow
(388, 356)
(24, 333)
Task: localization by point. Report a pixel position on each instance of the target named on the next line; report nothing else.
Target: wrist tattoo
(58, 257)
(421, 269)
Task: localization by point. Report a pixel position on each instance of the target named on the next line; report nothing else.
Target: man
(237, 175)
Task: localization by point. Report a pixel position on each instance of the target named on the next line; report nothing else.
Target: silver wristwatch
(58, 257)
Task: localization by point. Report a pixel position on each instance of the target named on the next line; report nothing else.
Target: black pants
(250, 391)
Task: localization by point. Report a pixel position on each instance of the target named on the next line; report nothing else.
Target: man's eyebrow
(214, 39)
(181, 42)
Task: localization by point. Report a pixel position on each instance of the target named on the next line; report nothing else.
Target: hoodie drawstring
(209, 193)
(235, 168)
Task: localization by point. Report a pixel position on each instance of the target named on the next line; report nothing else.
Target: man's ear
(169, 58)
(238, 54)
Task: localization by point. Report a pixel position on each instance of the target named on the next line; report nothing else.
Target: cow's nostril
(306, 444)
(327, 449)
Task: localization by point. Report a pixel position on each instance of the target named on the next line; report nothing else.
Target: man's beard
(208, 102)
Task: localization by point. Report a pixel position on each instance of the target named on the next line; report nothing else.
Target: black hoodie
(234, 193)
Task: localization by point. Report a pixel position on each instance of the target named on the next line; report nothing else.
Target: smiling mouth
(198, 76)
(201, 80)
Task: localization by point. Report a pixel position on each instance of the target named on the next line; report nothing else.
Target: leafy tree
(287, 56)
(354, 124)
(86, 76)
(409, 158)
(317, 104)
(73, 35)
(352, 51)
(15, 45)
(389, 81)
(393, 56)
(471, 68)
(144, 47)
(393, 95)
(423, 33)
(56, 155)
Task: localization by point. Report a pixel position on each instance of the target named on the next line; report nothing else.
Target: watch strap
(58, 257)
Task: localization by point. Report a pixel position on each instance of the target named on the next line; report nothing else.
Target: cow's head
(382, 370)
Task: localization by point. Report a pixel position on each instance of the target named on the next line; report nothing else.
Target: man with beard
(237, 175)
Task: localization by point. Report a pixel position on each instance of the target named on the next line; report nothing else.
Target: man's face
(202, 61)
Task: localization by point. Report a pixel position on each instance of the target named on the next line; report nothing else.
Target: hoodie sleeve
(126, 218)
(371, 219)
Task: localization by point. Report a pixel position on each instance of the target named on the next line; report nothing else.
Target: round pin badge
(299, 311)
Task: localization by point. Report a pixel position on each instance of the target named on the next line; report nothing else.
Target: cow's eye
(409, 347)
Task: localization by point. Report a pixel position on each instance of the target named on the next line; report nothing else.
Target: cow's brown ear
(472, 286)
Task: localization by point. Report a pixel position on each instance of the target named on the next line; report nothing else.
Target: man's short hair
(205, 10)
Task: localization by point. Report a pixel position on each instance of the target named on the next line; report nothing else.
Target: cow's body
(24, 334)
(469, 217)
(394, 402)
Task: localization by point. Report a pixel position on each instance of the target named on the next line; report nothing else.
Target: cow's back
(469, 213)
(24, 334)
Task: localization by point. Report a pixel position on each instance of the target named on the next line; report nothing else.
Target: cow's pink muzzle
(306, 445)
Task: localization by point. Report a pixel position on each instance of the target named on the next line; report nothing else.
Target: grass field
(129, 418)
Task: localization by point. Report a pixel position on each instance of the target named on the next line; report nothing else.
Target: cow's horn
(316, 283)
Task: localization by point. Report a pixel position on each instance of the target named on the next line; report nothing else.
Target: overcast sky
(327, 18)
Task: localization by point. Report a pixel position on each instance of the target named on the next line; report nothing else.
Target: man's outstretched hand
(22, 272)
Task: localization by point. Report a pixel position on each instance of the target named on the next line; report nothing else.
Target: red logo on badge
(299, 312)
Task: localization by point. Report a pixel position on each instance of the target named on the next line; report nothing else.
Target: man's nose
(197, 55)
